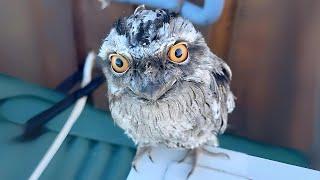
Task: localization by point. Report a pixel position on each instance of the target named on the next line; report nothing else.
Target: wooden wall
(37, 41)
(274, 79)
(272, 47)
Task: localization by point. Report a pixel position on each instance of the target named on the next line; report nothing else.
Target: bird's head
(153, 52)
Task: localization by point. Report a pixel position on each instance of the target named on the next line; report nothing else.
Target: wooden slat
(305, 129)
(272, 80)
(219, 34)
(17, 47)
(55, 39)
(38, 41)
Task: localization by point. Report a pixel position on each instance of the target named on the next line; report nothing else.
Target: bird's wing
(224, 99)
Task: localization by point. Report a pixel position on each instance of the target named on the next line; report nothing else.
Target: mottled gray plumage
(159, 102)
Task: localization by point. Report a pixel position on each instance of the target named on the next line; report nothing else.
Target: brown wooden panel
(55, 39)
(219, 34)
(17, 48)
(37, 40)
(305, 129)
(272, 80)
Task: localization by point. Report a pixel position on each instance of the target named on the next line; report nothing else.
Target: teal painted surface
(266, 151)
(78, 158)
(95, 148)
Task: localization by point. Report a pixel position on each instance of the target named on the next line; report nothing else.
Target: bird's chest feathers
(180, 118)
(152, 121)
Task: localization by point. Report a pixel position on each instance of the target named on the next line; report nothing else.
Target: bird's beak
(152, 91)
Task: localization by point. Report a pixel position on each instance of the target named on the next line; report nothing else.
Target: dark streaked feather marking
(221, 78)
(146, 30)
(120, 26)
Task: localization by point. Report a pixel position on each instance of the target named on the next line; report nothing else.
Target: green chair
(95, 148)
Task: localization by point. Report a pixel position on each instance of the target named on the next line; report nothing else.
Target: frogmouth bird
(165, 86)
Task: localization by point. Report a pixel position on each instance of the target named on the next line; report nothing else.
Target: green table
(95, 148)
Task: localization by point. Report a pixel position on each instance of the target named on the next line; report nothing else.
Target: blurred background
(272, 47)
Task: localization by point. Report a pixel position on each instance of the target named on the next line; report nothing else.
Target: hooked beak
(153, 91)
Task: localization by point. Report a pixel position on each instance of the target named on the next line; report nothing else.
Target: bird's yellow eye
(178, 53)
(119, 63)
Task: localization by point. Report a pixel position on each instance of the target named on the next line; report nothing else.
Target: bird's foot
(189, 152)
(195, 154)
(214, 154)
(140, 152)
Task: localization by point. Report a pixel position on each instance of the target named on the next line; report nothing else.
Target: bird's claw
(215, 154)
(140, 152)
(134, 167)
(195, 153)
(150, 157)
(185, 156)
